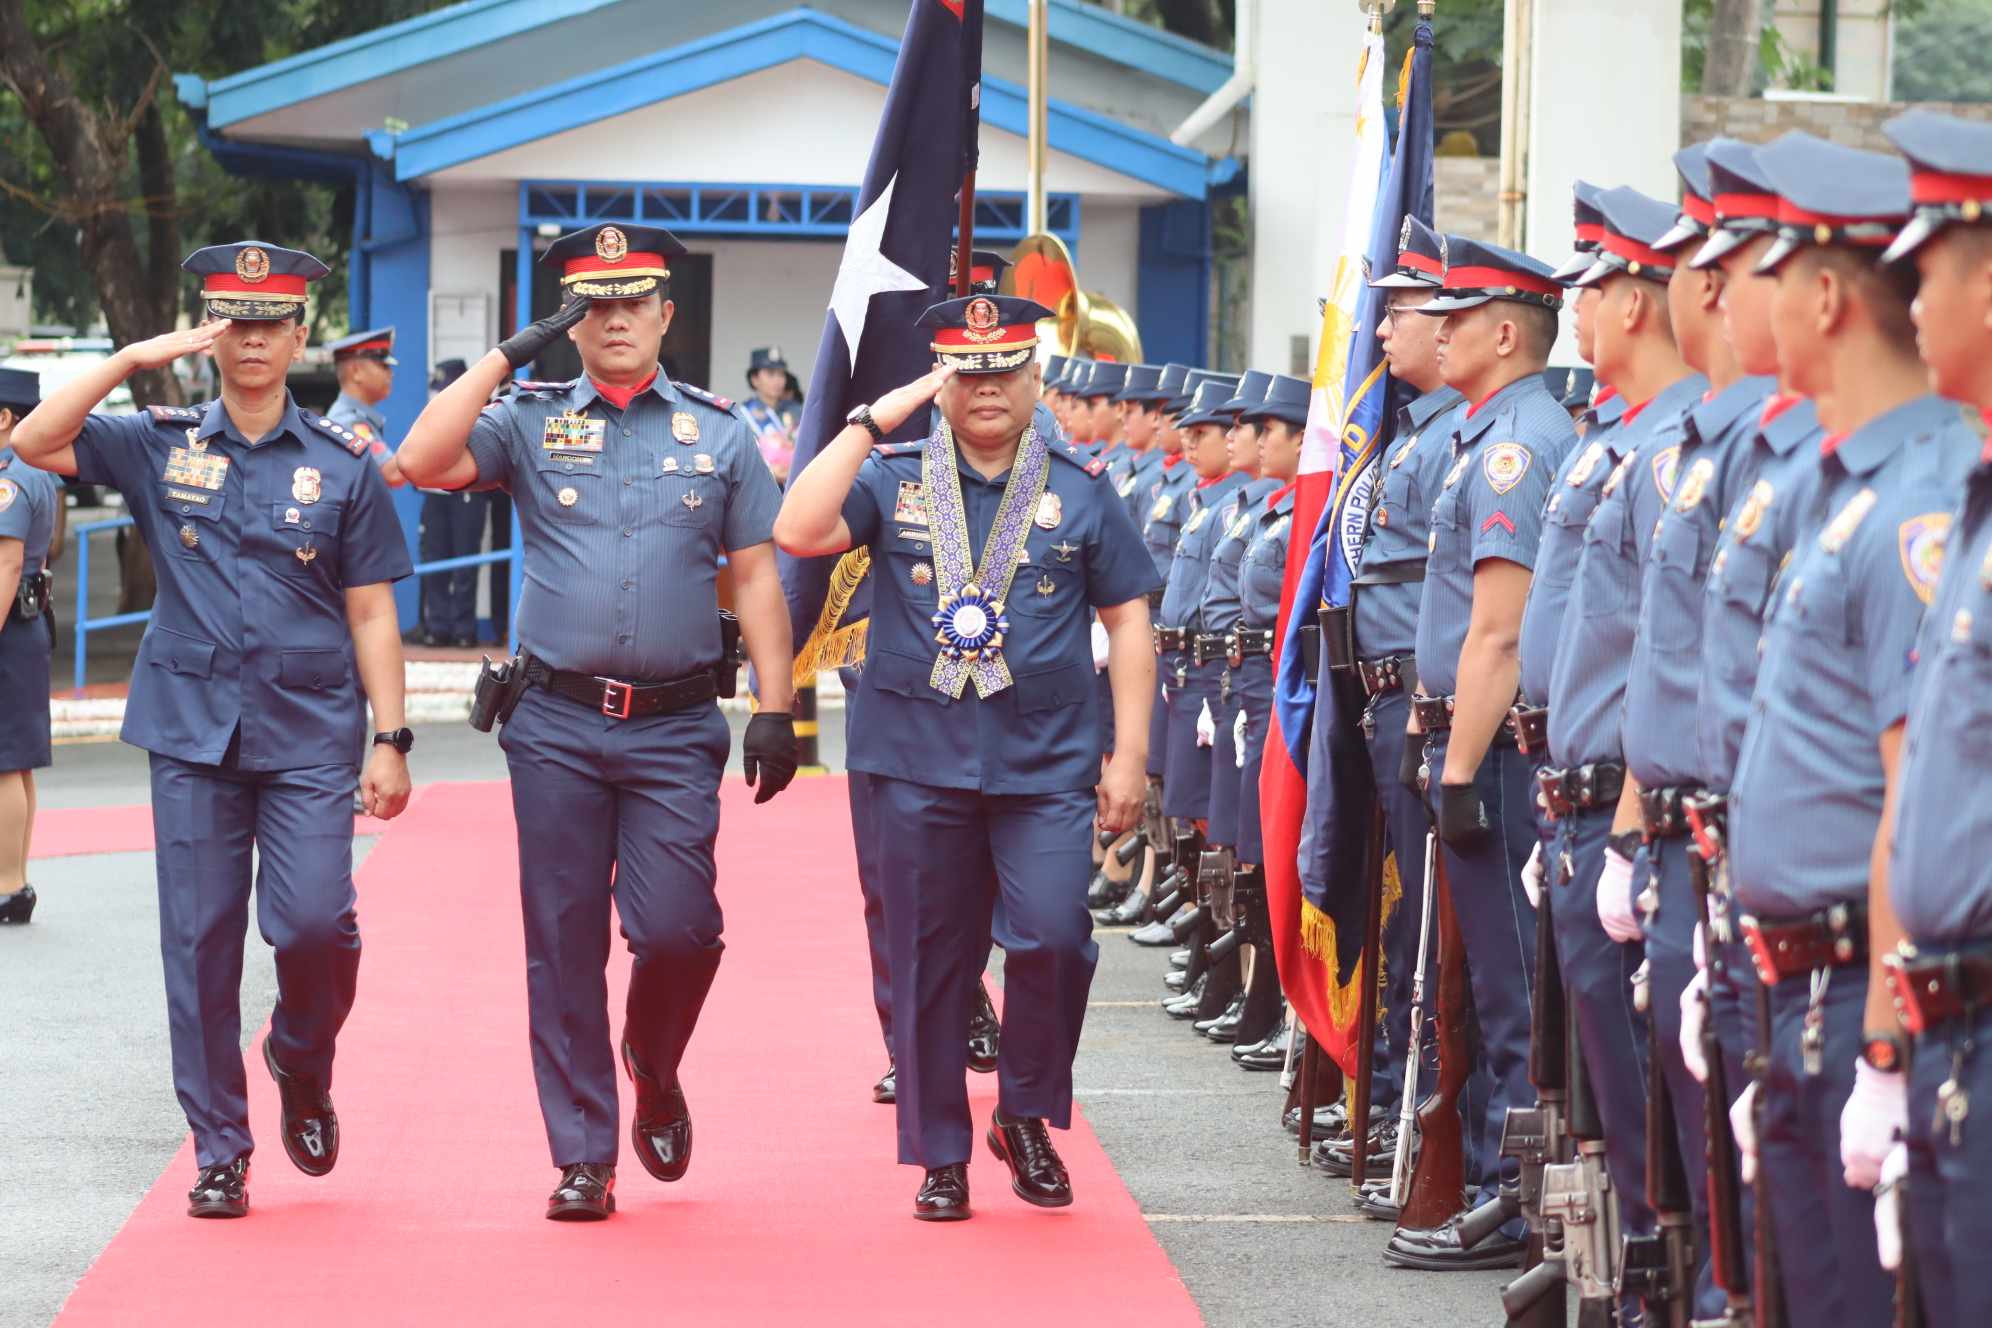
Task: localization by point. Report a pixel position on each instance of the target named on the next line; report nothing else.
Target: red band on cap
(996, 338)
(227, 283)
(1482, 278)
(1789, 215)
(380, 344)
(1420, 263)
(1941, 187)
(1590, 231)
(1699, 208)
(590, 264)
(1747, 205)
(1633, 251)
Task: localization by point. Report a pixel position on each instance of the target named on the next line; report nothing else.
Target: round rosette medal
(970, 624)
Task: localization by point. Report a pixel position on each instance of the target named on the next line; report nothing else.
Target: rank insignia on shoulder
(1846, 521)
(174, 414)
(1961, 626)
(1667, 469)
(701, 394)
(1096, 467)
(1920, 541)
(1695, 485)
(1505, 464)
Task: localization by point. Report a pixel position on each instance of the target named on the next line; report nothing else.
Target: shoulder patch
(345, 437)
(8, 491)
(1694, 486)
(1504, 465)
(1846, 521)
(1666, 469)
(1920, 540)
(174, 414)
(1586, 464)
(897, 449)
(713, 399)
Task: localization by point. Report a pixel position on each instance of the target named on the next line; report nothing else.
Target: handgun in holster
(31, 596)
(726, 673)
(497, 691)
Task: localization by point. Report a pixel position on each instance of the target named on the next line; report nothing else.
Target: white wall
(1110, 249)
(767, 292)
(470, 226)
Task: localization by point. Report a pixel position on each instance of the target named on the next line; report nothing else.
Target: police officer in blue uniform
(364, 363)
(1140, 400)
(1822, 747)
(1384, 622)
(993, 550)
(630, 489)
(30, 500)
(1938, 875)
(276, 547)
(1103, 419)
(1498, 311)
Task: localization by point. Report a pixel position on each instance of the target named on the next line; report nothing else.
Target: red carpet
(67, 832)
(794, 1211)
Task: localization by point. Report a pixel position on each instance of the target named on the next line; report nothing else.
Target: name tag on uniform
(573, 433)
(197, 469)
(183, 496)
(911, 504)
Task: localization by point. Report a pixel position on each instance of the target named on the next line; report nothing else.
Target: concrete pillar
(1303, 133)
(1605, 106)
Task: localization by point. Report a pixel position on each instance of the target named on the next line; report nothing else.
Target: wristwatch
(400, 739)
(862, 417)
(1885, 1051)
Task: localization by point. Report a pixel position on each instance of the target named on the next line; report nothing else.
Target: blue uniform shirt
(625, 514)
(1042, 734)
(1940, 877)
(1168, 507)
(1189, 572)
(1399, 525)
(253, 545)
(1773, 490)
(1505, 452)
(1587, 682)
(28, 499)
(1262, 570)
(1134, 487)
(364, 422)
(1572, 497)
(1665, 676)
(1837, 658)
(1236, 525)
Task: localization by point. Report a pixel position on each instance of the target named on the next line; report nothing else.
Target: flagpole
(1040, 72)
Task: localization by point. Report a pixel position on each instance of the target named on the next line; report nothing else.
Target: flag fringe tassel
(1318, 938)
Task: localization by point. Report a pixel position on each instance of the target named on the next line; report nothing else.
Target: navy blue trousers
(1950, 1219)
(1597, 981)
(211, 824)
(1498, 924)
(863, 838)
(1186, 792)
(1222, 758)
(957, 855)
(626, 810)
(1252, 689)
(1404, 826)
(1825, 1230)
(1158, 724)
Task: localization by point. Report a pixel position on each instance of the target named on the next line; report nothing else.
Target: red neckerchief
(1205, 484)
(620, 397)
(1169, 462)
(1831, 442)
(1779, 403)
(1632, 412)
(1605, 393)
(1474, 408)
(1985, 457)
(1273, 498)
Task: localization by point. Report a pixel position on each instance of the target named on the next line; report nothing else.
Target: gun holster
(1338, 638)
(497, 691)
(31, 597)
(726, 673)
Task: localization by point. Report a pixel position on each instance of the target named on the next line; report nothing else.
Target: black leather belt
(1530, 725)
(1171, 639)
(1398, 574)
(1662, 811)
(1835, 937)
(1934, 989)
(1205, 647)
(1434, 713)
(1580, 789)
(1379, 676)
(623, 700)
(1243, 643)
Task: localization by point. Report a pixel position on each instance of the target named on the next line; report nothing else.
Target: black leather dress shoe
(1126, 913)
(1337, 1156)
(1329, 1121)
(586, 1193)
(943, 1195)
(1036, 1172)
(1438, 1250)
(985, 1034)
(1103, 892)
(18, 907)
(1374, 1202)
(887, 1087)
(310, 1126)
(661, 1131)
(221, 1191)
(1262, 1056)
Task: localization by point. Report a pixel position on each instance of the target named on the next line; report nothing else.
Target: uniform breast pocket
(1606, 568)
(191, 529)
(697, 501)
(570, 492)
(306, 537)
(1263, 571)
(1446, 544)
(1050, 591)
(1816, 597)
(1053, 689)
(1399, 494)
(1963, 677)
(1742, 576)
(1673, 610)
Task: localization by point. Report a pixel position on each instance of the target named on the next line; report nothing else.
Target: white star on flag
(866, 271)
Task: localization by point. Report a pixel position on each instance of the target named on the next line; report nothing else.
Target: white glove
(1888, 1207)
(1206, 726)
(1238, 739)
(1099, 645)
(1694, 1017)
(1701, 948)
(1743, 1124)
(1532, 876)
(1876, 1109)
(1615, 899)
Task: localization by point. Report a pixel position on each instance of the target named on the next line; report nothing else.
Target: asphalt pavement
(88, 1121)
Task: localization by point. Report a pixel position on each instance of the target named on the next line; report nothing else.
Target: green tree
(1940, 52)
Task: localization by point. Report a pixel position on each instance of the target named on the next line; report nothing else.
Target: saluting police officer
(631, 489)
(1939, 873)
(992, 550)
(276, 547)
(30, 500)
(1498, 311)
(1820, 756)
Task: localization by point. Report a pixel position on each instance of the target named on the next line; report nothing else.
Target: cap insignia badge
(984, 324)
(252, 265)
(611, 245)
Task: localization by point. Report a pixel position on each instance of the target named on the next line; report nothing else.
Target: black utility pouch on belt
(1338, 638)
(31, 596)
(497, 693)
(726, 673)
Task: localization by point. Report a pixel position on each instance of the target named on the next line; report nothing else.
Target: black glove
(767, 753)
(1462, 818)
(525, 345)
(1411, 762)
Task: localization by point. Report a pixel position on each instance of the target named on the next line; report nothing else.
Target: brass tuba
(1088, 323)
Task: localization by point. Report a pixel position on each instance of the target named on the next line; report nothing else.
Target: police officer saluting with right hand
(630, 488)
